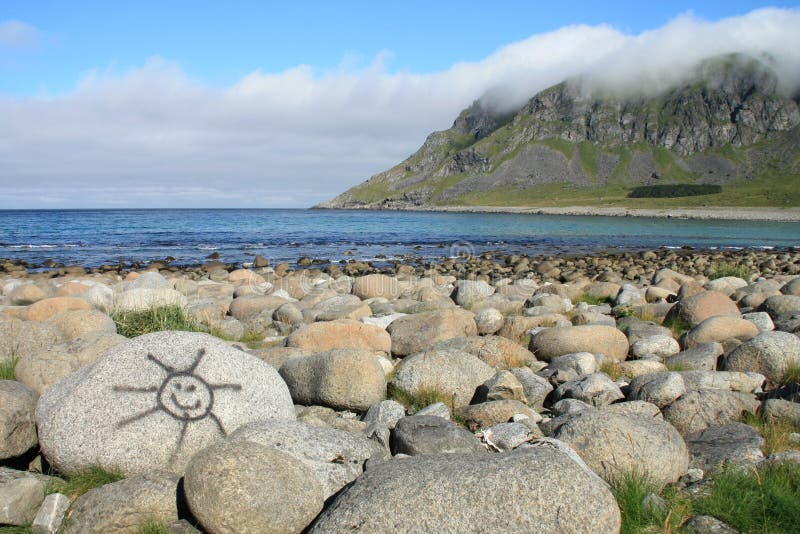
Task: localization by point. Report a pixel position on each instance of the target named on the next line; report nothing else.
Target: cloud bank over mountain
(155, 137)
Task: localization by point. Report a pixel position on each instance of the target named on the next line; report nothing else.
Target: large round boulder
(242, 487)
(699, 307)
(344, 379)
(341, 334)
(769, 353)
(20, 338)
(476, 492)
(336, 457)
(44, 309)
(496, 351)
(418, 332)
(553, 342)
(154, 401)
(452, 373)
(17, 404)
(615, 445)
(721, 328)
(376, 285)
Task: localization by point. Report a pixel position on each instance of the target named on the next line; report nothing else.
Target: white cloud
(154, 137)
(17, 34)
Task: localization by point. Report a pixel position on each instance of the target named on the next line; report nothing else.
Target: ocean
(94, 237)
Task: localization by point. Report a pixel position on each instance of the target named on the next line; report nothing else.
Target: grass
(677, 324)
(630, 492)
(424, 396)
(723, 268)
(7, 368)
(792, 374)
(613, 369)
(677, 367)
(588, 153)
(76, 484)
(16, 530)
(752, 500)
(133, 324)
(763, 499)
(592, 300)
(154, 527)
(775, 432)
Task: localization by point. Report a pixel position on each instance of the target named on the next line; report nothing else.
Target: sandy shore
(722, 213)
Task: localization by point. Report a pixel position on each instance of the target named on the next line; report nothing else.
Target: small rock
(426, 434)
(50, 516)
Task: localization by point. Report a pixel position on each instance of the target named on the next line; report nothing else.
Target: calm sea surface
(94, 237)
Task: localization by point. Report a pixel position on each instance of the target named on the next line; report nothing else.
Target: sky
(259, 104)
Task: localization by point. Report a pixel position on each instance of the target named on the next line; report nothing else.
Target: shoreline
(721, 213)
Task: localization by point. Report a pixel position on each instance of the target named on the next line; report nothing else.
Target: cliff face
(728, 126)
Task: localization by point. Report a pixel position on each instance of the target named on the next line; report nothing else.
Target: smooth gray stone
(426, 434)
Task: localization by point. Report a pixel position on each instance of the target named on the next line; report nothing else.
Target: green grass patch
(16, 530)
(630, 492)
(76, 484)
(677, 324)
(792, 374)
(613, 369)
(154, 527)
(677, 367)
(765, 499)
(556, 143)
(672, 191)
(7, 368)
(133, 324)
(424, 396)
(588, 153)
(668, 166)
(725, 268)
(592, 300)
(774, 431)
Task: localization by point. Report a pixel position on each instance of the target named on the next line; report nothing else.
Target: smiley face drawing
(182, 394)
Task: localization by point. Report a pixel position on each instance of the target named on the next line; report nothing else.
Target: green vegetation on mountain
(728, 131)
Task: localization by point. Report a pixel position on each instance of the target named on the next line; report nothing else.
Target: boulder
(418, 332)
(26, 294)
(725, 445)
(154, 401)
(719, 329)
(496, 351)
(535, 387)
(660, 389)
(428, 434)
(762, 320)
(79, 323)
(779, 409)
(242, 486)
(596, 389)
(42, 369)
(21, 494)
(248, 307)
(453, 373)
(730, 380)
(699, 409)
(338, 307)
(488, 321)
(17, 427)
(486, 414)
(699, 307)
(615, 445)
(509, 436)
(582, 363)
(502, 386)
(769, 353)
(344, 379)
(341, 334)
(727, 285)
(553, 342)
(660, 346)
(385, 413)
(126, 505)
(701, 357)
(471, 492)
(468, 292)
(51, 515)
(20, 338)
(376, 285)
(335, 457)
(781, 304)
(44, 309)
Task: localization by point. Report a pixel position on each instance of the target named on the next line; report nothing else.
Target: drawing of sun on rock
(182, 394)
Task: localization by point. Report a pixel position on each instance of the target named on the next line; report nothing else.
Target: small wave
(31, 247)
(207, 247)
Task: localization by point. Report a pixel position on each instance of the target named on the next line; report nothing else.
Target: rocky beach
(488, 392)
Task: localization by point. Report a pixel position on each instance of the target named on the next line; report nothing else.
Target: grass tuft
(792, 374)
(7, 368)
(775, 432)
(677, 324)
(16, 530)
(592, 300)
(154, 527)
(613, 369)
(763, 499)
(76, 484)
(133, 324)
(424, 396)
(630, 492)
(723, 268)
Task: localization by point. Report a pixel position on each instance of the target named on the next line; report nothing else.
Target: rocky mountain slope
(728, 127)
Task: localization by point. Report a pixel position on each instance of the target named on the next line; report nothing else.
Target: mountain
(726, 137)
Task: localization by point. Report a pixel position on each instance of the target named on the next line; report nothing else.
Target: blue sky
(219, 42)
(260, 104)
